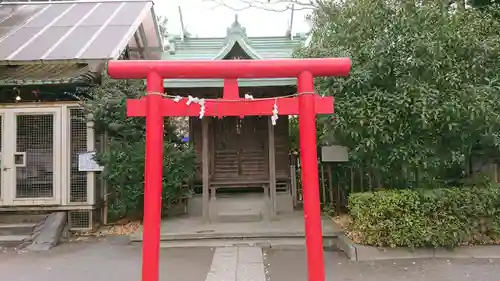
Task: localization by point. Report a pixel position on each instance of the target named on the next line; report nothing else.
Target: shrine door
(240, 149)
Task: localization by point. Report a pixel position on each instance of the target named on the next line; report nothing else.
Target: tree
(270, 5)
(162, 24)
(422, 97)
(123, 160)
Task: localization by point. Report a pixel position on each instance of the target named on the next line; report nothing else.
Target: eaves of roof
(280, 47)
(211, 48)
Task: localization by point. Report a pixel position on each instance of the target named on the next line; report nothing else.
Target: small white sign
(87, 163)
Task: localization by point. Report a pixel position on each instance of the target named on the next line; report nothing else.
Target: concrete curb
(137, 237)
(357, 252)
(347, 246)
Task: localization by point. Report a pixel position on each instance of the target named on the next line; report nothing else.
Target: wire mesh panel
(80, 219)
(34, 156)
(78, 144)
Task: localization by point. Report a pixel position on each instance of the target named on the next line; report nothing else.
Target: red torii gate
(154, 107)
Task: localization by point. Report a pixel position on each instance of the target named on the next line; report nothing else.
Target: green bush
(123, 158)
(124, 173)
(445, 217)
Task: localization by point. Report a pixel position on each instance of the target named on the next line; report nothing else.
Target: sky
(205, 18)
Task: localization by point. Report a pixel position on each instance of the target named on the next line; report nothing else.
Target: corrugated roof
(65, 30)
(37, 74)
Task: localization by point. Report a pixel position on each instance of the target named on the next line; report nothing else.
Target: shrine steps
(240, 216)
(238, 208)
(286, 230)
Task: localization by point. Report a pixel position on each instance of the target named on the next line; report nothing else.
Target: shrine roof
(218, 48)
(210, 48)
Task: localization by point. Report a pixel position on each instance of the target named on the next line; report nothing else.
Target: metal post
(153, 179)
(310, 187)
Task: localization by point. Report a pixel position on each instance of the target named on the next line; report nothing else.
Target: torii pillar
(154, 107)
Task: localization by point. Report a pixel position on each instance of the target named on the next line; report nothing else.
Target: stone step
(329, 243)
(13, 240)
(248, 215)
(22, 218)
(16, 228)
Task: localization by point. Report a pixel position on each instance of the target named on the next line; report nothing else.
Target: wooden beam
(144, 39)
(205, 168)
(272, 170)
(211, 143)
(206, 69)
(214, 107)
(139, 46)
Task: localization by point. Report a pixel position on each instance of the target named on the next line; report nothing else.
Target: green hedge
(445, 217)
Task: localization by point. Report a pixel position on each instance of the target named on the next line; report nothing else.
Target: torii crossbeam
(154, 107)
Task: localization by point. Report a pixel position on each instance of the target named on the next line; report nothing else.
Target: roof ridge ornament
(236, 29)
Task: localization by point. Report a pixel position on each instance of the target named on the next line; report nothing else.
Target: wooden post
(322, 184)
(330, 184)
(205, 168)
(293, 179)
(272, 170)
(105, 148)
(361, 178)
(351, 169)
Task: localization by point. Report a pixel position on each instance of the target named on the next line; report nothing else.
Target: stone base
(285, 232)
(284, 202)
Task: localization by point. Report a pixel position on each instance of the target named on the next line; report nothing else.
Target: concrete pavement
(105, 261)
(102, 261)
(283, 265)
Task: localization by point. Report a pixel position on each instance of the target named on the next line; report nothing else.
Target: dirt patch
(117, 229)
(123, 229)
(345, 221)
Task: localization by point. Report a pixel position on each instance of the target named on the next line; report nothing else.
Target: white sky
(204, 18)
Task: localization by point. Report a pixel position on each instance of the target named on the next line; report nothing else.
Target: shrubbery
(444, 217)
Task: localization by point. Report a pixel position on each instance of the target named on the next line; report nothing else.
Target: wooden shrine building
(245, 154)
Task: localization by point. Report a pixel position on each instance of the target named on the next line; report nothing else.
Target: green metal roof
(278, 47)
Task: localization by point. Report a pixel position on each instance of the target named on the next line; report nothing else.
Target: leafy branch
(422, 94)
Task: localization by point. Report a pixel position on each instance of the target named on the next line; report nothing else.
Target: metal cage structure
(41, 145)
